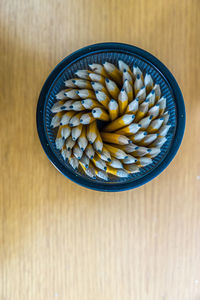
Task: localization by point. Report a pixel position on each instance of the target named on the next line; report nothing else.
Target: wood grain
(61, 241)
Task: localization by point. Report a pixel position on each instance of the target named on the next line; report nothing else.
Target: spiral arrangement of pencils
(133, 114)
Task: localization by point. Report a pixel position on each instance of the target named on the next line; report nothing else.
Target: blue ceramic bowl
(112, 52)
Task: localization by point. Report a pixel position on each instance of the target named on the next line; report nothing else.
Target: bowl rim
(180, 127)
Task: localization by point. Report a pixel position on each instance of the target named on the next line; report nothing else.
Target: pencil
(85, 93)
(152, 98)
(155, 125)
(142, 111)
(112, 88)
(83, 74)
(73, 161)
(99, 163)
(130, 148)
(162, 105)
(82, 83)
(144, 161)
(102, 98)
(148, 139)
(127, 76)
(157, 90)
(64, 152)
(70, 83)
(129, 90)
(113, 109)
(85, 161)
(115, 163)
(133, 106)
(101, 114)
(115, 138)
(154, 111)
(159, 142)
(57, 106)
(86, 118)
(75, 120)
(164, 130)
(129, 160)
(82, 140)
(59, 139)
(132, 168)
(141, 95)
(138, 137)
(153, 152)
(123, 101)
(113, 72)
(90, 171)
(120, 122)
(89, 151)
(101, 174)
(77, 106)
(105, 154)
(72, 94)
(77, 151)
(98, 143)
(90, 103)
(97, 86)
(76, 132)
(97, 78)
(61, 95)
(55, 121)
(69, 143)
(138, 84)
(123, 66)
(65, 131)
(66, 117)
(140, 151)
(129, 130)
(137, 71)
(148, 82)
(145, 122)
(117, 172)
(99, 69)
(67, 105)
(166, 117)
(92, 132)
(116, 152)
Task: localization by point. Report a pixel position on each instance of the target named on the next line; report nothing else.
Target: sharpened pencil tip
(136, 148)
(62, 107)
(68, 148)
(63, 138)
(145, 133)
(133, 116)
(92, 83)
(92, 157)
(124, 70)
(107, 80)
(82, 148)
(151, 117)
(70, 124)
(149, 150)
(126, 157)
(94, 111)
(82, 102)
(122, 89)
(79, 157)
(153, 91)
(73, 81)
(73, 138)
(81, 120)
(87, 166)
(60, 123)
(71, 106)
(130, 142)
(109, 160)
(96, 92)
(99, 150)
(137, 99)
(162, 118)
(105, 168)
(90, 142)
(139, 125)
(77, 92)
(138, 76)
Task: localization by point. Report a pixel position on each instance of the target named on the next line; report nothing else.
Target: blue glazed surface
(112, 52)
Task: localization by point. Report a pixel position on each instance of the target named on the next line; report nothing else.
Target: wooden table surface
(57, 239)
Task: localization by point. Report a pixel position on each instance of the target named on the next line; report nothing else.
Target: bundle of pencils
(133, 118)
